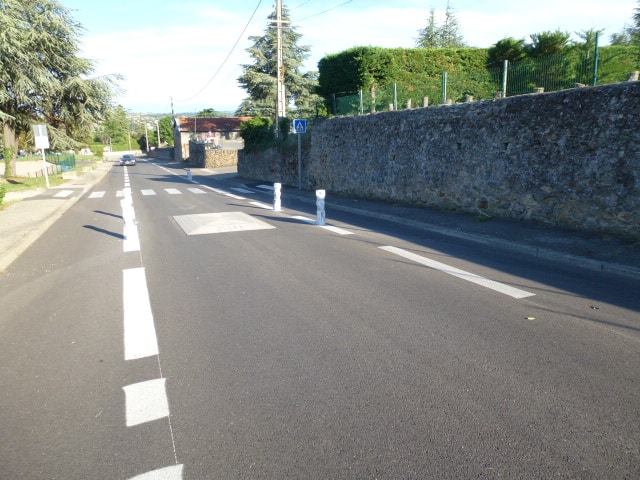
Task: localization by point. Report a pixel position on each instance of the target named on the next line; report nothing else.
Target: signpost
(41, 137)
(299, 126)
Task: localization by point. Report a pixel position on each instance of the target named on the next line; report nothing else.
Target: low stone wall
(203, 157)
(569, 158)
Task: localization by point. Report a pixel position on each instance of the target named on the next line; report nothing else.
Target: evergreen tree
(260, 78)
(42, 78)
(445, 36)
(630, 35)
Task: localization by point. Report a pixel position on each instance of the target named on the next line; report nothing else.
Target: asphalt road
(170, 329)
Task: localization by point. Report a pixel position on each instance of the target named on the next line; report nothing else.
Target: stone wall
(569, 158)
(201, 156)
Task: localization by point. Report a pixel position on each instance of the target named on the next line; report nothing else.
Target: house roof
(222, 124)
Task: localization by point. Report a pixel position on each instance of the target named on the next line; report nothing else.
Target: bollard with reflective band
(320, 194)
(277, 205)
(189, 177)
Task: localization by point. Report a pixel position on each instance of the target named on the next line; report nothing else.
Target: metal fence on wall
(545, 74)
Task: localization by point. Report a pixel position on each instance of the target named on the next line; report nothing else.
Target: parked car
(128, 159)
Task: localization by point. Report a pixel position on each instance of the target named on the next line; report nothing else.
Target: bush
(3, 190)
(258, 134)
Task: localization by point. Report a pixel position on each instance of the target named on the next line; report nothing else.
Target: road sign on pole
(41, 138)
(300, 126)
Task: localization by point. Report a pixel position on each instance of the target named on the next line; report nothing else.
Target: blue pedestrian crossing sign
(300, 126)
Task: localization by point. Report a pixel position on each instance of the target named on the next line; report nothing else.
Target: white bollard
(277, 205)
(320, 194)
(189, 176)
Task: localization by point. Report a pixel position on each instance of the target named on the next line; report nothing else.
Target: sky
(188, 54)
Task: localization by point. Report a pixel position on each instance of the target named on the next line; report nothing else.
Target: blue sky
(177, 49)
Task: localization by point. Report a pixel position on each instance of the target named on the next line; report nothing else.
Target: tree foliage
(42, 78)
(446, 35)
(260, 78)
(630, 35)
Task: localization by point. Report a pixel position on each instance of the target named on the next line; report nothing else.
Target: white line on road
(63, 193)
(196, 190)
(456, 272)
(331, 228)
(168, 473)
(97, 194)
(262, 205)
(147, 192)
(146, 401)
(173, 191)
(139, 331)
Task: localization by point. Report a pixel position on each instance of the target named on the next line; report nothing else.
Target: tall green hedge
(417, 73)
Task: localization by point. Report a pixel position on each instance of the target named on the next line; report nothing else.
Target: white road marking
(241, 190)
(220, 222)
(338, 230)
(146, 401)
(173, 191)
(456, 272)
(266, 187)
(97, 194)
(262, 205)
(196, 190)
(305, 219)
(167, 473)
(331, 228)
(119, 193)
(139, 331)
(237, 197)
(147, 192)
(63, 193)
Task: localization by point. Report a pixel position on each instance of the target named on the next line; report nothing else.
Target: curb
(11, 254)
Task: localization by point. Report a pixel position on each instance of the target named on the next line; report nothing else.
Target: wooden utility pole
(281, 110)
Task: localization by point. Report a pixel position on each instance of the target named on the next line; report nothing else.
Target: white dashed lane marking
(146, 401)
(139, 330)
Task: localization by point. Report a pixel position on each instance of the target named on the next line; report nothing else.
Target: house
(223, 132)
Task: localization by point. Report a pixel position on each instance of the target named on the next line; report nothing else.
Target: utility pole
(281, 101)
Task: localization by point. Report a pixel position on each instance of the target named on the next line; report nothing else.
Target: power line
(325, 11)
(226, 58)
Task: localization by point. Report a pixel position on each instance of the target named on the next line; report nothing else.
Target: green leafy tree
(446, 35)
(116, 126)
(208, 113)
(166, 130)
(260, 78)
(42, 78)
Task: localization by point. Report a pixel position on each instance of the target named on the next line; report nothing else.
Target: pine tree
(260, 78)
(446, 36)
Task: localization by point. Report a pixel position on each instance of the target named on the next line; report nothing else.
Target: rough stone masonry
(568, 158)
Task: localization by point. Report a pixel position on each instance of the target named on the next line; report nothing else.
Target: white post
(44, 161)
(189, 176)
(320, 194)
(277, 205)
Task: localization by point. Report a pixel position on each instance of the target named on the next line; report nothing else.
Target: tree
(630, 35)
(506, 49)
(446, 36)
(42, 78)
(208, 113)
(547, 43)
(166, 129)
(260, 78)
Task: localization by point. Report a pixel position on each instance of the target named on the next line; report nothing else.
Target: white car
(128, 160)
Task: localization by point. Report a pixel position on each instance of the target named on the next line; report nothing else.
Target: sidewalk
(34, 211)
(23, 222)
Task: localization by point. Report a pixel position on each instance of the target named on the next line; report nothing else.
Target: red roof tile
(202, 125)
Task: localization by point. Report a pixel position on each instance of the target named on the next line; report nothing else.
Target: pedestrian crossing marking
(173, 191)
(63, 193)
(147, 192)
(196, 190)
(97, 194)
